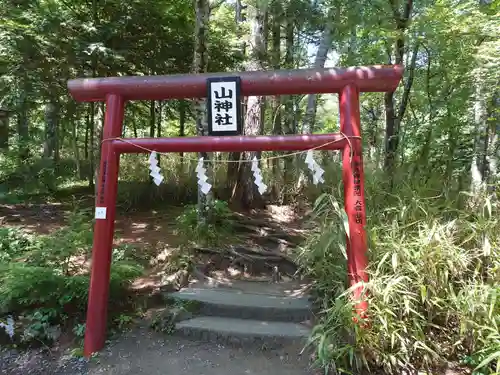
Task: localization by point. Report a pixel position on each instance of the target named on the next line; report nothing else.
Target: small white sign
(224, 106)
(100, 212)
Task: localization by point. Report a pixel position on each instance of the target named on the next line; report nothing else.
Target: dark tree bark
(51, 124)
(4, 129)
(245, 193)
(289, 116)
(152, 119)
(276, 104)
(200, 65)
(393, 116)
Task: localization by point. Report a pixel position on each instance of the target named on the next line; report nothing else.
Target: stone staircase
(247, 312)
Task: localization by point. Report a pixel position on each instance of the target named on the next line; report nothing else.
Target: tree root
(257, 259)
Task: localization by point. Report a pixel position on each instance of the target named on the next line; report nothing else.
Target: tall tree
(245, 192)
(401, 19)
(324, 48)
(200, 65)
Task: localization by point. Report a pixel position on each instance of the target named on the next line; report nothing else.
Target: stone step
(242, 332)
(234, 303)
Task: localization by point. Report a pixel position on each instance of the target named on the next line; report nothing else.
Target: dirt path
(149, 353)
(143, 352)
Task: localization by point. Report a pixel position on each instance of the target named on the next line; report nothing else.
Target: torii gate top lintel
(376, 78)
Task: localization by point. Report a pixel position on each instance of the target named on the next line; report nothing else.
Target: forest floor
(139, 350)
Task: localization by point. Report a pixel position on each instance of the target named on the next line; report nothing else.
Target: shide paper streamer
(201, 174)
(8, 327)
(155, 170)
(257, 174)
(316, 170)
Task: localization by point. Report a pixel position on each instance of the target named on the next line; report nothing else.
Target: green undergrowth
(217, 228)
(434, 289)
(44, 280)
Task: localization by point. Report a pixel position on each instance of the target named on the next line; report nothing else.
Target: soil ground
(142, 352)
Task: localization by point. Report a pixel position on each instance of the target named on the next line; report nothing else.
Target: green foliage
(136, 188)
(13, 243)
(433, 289)
(44, 279)
(54, 251)
(79, 330)
(40, 325)
(127, 253)
(216, 229)
(123, 320)
(20, 180)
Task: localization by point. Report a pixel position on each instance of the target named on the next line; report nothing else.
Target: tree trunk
(51, 117)
(276, 61)
(493, 155)
(200, 65)
(239, 23)
(277, 20)
(73, 120)
(478, 162)
(4, 130)
(152, 119)
(99, 121)
(134, 128)
(87, 135)
(289, 116)
(319, 62)
(288, 100)
(182, 130)
(91, 153)
(245, 193)
(233, 167)
(94, 60)
(22, 126)
(452, 145)
(393, 117)
(426, 145)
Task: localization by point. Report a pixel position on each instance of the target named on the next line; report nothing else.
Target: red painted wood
(379, 78)
(231, 144)
(354, 195)
(95, 329)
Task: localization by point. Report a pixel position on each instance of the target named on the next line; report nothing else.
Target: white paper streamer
(257, 174)
(155, 170)
(201, 174)
(8, 327)
(316, 170)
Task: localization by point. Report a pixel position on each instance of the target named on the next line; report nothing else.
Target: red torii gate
(115, 91)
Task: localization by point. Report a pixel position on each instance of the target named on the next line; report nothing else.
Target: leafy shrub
(216, 228)
(34, 175)
(13, 243)
(433, 289)
(44, 279)
(66, 247)
(130, 253)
